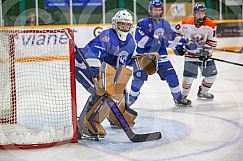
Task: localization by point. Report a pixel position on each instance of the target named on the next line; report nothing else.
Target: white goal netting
(37, 88)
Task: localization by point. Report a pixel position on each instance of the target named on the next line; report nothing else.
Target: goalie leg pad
(86, 120)
(101, 130)
(103, 113)
(106, 80)
(130, 118)
(129, 115)
(122, 77)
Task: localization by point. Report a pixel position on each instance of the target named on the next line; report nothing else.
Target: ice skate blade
(204, 99)
(184, 106)
(93, 138)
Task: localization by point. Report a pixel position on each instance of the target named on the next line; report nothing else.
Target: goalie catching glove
(148, 62)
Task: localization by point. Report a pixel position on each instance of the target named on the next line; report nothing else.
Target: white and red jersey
(204, 35)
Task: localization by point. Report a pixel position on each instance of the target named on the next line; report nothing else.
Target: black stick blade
(142, 137)
(130, 134)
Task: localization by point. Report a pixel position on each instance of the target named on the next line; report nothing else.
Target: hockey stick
(80, 54)
(231, 51)
(130, 134)
(226, 61)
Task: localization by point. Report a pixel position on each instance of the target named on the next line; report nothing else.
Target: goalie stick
(80, 54)
(130, 134)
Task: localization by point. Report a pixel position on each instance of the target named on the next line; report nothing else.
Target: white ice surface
(208, 131)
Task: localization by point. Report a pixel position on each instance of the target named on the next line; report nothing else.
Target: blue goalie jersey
(153, 36)
(107, 48)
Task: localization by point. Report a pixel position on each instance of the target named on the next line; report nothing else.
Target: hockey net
(37, 89)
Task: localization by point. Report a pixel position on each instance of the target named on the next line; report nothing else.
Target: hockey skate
(204, 96)
(183, 102)
(86, 135)
(89, 136)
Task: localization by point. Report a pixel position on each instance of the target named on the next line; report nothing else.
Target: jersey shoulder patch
(105, 36)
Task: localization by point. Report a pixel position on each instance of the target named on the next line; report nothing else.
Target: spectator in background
(31, 19)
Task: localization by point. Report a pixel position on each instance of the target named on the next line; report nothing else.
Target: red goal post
(37, 88)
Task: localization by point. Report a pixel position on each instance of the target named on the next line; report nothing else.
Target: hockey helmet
(199, 8)
(155, 4)
(122, 23)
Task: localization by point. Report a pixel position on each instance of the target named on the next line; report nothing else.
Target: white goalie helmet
(122, 23)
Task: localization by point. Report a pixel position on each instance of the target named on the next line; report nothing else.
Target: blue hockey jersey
(107, 48)
(153, 36)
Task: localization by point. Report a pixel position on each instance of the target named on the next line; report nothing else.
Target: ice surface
(208, 131)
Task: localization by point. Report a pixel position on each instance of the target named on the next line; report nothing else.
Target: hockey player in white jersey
(152, 36)
(200, 30)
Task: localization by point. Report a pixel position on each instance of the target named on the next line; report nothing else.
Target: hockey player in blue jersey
(153, 34)
(107, 55)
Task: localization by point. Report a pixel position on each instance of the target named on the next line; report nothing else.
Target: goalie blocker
(111, 83)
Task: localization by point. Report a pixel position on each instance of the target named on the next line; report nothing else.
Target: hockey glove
(191, 45)
(204, 54)
(179, 50)
(204, 58)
